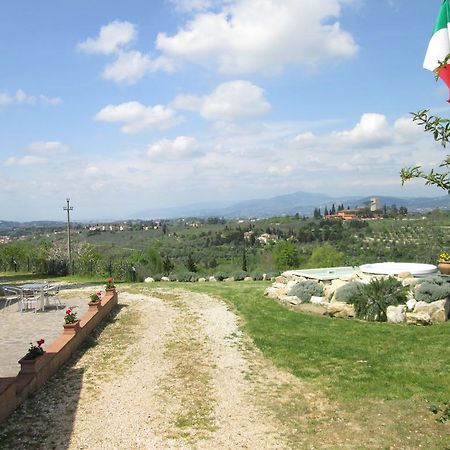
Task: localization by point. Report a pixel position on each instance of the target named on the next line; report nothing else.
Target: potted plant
(444, 263)
(110, 285)
(95, 302)
(71, 323)
(28, 364)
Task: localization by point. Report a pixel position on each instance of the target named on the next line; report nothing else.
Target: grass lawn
(386, 376)
(350, 358)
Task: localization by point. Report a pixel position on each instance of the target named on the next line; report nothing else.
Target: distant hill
(6, 225)
(299, 202)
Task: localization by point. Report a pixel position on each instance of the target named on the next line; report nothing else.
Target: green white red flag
(439, 45)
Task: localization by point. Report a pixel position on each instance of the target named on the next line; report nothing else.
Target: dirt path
(172, 371)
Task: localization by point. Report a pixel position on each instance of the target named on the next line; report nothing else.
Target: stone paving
(18, 329)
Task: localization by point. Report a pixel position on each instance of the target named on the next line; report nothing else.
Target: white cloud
(188, 6)
(138, 117)
(180, 148)
(131, 66)
(5, 99)
(47, 147)
(50, 100)
(92, 170)
(262, 35)
(111, 39)
(229, 101)
(372, 130)
(27, 160)
(21, 97)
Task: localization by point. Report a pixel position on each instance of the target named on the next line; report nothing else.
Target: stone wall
(413, 312)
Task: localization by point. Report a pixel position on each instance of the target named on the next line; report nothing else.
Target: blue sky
(125, 106)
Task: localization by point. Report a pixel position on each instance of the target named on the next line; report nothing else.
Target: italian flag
(439, 46)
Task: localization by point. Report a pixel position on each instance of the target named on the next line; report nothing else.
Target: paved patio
(18, 329)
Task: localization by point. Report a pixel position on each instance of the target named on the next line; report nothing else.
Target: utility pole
(68, 208)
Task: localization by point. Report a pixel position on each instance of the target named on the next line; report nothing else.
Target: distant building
(375, 204)
(265, 238)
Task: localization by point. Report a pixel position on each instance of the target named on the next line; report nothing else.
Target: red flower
(40, 342)
(69, 311)
(99, 294)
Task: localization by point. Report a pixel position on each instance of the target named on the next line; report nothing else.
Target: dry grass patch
(187, 388)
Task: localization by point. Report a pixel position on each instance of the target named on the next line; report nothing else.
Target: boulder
(438, 310)
(410, 281)
(212, 279)
(411, 303)
(201, 280)
(281, 279)
(316, 300)
(420, 318)
(330, 289)
(165, 279)
(404, 275)
(229, 279)
(291, 299)
(396, 314)
(149, 280)
(248, 279)
(291, 283)
(340, 309)
(273, 292)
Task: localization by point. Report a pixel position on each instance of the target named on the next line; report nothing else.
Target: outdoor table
(32, 288)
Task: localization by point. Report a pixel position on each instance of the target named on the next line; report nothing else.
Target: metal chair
(11, 294)
(51, 295)
(32, 299)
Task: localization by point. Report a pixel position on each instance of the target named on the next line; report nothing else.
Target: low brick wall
(14, 390)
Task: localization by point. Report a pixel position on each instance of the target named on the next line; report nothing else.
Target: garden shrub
(431, 290)
(257, 276)
(157, 277)
(344, 293)
(270, 275)
(239, 276)
(372, 300)
(304, 290)
(220, 276)
(187, 277)
(173, 277)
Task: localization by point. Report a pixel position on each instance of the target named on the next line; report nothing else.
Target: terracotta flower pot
(444, 267)
(94, 306)
(71, 328)
(30, 366)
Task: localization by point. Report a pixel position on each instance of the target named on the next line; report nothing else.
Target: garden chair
(32, 299)
(51, 295)
(11, 295)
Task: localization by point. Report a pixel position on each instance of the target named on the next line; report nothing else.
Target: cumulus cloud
(262, 35)
(180, 148)
(191, 5)
(111, 38)
(27, 160)
(372, 130)
(129, 67)
(228, 101)
(5, 99)
(21, 97)
(138, 117)
(47, 147)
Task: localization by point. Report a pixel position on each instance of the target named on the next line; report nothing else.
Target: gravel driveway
(171, 370)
